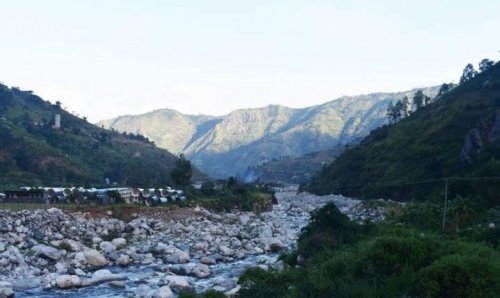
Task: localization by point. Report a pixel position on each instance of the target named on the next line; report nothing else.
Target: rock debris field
(47, 253)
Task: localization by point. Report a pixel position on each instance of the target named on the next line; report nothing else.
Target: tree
(444, 88)
(468, 73)
(406, 111)
(485, 64)
(427, 100)
(391, 112)
(182, 172)
(418, 99)
(398, 110)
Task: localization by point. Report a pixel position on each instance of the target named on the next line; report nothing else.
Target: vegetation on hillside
(454, 136)
(33, 151)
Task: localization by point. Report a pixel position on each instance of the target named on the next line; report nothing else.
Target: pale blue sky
(106, 58)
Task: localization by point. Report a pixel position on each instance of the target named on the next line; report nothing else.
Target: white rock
(226, 250)
(60, 268)
(123, 260)
(107, 246)
(164, 292)
(232, 292)
(183, 256)
(94, 258)
(102, 276)
(176, 281)
(143, 291)
(68, 281)
(119, 242)
(6, 292)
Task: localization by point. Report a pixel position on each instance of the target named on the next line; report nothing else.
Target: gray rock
(164, 292)
(232, 293)
(143, 291)
(107, 246)
(25, 284)
(118, 284)
(201, 271)
(208, 260)
(123, 260)
(102, 276)
(175, 281)
(94, 258)
(226, 251)
(6, 292)
(68, 281)
(47, 252)
(119, 243)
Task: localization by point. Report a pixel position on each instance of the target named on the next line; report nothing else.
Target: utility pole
(445, 202)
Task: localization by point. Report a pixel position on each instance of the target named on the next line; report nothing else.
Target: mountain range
(224, 146)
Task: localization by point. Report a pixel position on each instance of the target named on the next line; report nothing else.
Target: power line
(402, 183)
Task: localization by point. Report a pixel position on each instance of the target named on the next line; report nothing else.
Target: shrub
(459, 276)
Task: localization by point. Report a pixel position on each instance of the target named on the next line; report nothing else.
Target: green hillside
(458, 135)
(34, 152)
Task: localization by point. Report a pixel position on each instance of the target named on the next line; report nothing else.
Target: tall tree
(406, 107)
(418, 99)
(427, 100)
(468, 73)
(444, 88)
(391, 114)
(181, 174)
(485, 64)
(398, 110)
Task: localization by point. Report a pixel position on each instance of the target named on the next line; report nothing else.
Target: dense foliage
(454, 136)
(35, 152)
(339, 258)
(231, 194)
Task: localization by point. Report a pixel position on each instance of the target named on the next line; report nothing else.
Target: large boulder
(183, 256)
(94, 258)
(164, 292)
(123, 260)
(175, 281)
(68, 281)
(226, 251)
(119, 242)
(102, 276)
(6, 292)
(107, 246)
(143, 291)
(47, 252)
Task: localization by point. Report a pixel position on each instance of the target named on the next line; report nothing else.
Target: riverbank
(49, 252)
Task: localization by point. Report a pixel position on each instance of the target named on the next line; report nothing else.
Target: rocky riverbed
(52, 253)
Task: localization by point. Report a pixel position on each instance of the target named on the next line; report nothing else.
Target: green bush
(459, 276)
(328, 228)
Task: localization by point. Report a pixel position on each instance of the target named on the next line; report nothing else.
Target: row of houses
(58, 195)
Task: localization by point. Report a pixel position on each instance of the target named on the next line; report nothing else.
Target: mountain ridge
(226, 145)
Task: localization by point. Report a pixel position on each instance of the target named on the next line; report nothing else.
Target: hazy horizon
(105, 59)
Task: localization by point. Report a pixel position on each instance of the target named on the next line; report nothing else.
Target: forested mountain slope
(458, 135)
(34, 151)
